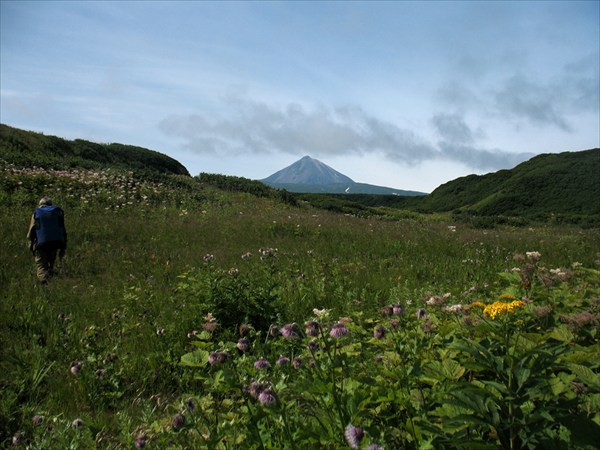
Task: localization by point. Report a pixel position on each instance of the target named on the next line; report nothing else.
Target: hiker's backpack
(50, 224)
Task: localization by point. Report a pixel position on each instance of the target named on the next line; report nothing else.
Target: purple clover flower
(421, 313)
(178, 421)
(289, 331)
(297, 363)
(312, 328)
(217, 358)
(266, 397)
(256, 388)
(262, 363)
(313, 345)
(243, 344)
(397, 309)
(379, 332)
(283, 360)
(338, 330)
(354, 436)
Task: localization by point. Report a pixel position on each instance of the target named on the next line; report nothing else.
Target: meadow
(186, 316)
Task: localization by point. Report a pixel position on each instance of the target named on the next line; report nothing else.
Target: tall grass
(147, 263)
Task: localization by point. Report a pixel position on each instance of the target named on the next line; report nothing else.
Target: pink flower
(354, 436)
(262, 363)
(338, 330)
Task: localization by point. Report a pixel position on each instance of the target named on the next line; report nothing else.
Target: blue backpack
(50, 224)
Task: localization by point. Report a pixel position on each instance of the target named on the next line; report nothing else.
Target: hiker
(47, 237)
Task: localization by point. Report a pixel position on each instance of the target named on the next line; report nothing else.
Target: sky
(408, 95)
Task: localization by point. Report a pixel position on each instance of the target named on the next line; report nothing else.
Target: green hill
(27, 149)
(563, 183)
(563, 187)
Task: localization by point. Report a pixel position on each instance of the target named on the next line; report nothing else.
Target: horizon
(398, 94)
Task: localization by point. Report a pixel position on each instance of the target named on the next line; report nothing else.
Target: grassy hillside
(414, 333)
(563, 183)
(561, 188)
(27, 149)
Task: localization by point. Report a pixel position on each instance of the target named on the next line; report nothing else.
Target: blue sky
(402, 94)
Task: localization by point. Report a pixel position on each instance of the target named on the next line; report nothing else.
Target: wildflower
(77, 423)
(217, 358)
(338, 330)
(354, 436)
(245, 329)
(100, 373)
(191, 404)
(289, 331)
(76, 367)
(533, 256)
(297, 363)
(476, 304)
(581, 319)
(140, 442)
(313, 345)
(312, 328)
(456, 309)
(178, 421)
(274, 331)
(234, 271)
(499, 307)
(247, 255)
(37, 420)
(210, 326)
(18, 438)
(255, 388)
(261, 363)
(208, 257)
(243, 344)
(266, 397)
(160, 331)
(379, 332)
(323, 313)
(387, 310)
(282, 360)
(421, 313)
(397, 309)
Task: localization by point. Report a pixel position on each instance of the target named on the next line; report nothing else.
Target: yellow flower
(499, 307)
(476, 304)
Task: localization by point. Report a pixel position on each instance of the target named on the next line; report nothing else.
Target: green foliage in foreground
(160, 275)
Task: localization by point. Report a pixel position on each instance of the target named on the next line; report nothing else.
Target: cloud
(522, 98)
(260, 128)
(256, 127)
(452, 127)
(458, 141)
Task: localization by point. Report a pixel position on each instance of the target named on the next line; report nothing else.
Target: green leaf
(197, 358)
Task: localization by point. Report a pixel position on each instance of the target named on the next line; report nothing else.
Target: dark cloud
(452, 127)
(260, 128)
(522, 98)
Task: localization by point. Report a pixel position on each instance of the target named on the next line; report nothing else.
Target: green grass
(136, 283)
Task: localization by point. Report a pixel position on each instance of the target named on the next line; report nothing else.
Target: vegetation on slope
(560, 188)
(28, 149)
